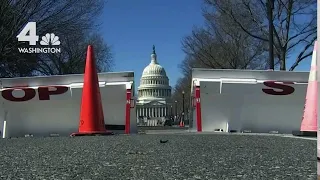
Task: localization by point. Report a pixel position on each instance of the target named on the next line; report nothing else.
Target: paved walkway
(143, 157)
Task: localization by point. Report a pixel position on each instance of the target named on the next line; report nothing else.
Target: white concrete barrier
(51, 105)
(259, 101)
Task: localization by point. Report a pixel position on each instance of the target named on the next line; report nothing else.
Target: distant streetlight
(176, 108)
(183, 106)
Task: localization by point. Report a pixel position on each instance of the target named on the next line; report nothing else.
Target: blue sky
(131, 27)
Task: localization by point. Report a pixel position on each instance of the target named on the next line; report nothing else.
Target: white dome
(154, 69)
(154, 83)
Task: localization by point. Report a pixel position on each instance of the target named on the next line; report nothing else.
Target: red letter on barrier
(286, 90)
(44, 92)
(29, 93)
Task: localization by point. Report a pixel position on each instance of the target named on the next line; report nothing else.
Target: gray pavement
(143, 157)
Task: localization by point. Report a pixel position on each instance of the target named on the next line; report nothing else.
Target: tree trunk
(283, 60)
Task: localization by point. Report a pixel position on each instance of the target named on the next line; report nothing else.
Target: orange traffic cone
(309, 122)
(91, 115)
(318, 139)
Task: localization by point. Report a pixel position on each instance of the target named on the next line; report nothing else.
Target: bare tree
(294, 24)
(72, 58)
(220, 44)
(12, 63)
(67, 19)
(238, 49)
(182, 85)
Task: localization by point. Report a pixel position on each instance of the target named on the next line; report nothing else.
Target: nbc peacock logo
(29, 34)
(50, 39)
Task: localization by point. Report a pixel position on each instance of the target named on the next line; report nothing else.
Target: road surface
(143, 157)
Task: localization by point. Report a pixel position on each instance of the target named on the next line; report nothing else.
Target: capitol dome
(154, 83)
(153, 69)
(154, 94)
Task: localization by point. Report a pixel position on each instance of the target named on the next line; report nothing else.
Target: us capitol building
(154, 94)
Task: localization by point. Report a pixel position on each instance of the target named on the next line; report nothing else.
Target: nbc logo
(50, 39)
(29, 34)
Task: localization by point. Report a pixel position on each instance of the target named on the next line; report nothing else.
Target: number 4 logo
(32, 38)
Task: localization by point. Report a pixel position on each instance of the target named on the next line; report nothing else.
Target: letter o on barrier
(29, 93)
(284, 89)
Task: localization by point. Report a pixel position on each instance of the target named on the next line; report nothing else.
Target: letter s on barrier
(285, 89)
(44, 92)
(29, 93)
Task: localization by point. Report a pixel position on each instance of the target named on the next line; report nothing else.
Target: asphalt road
(143, 157)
